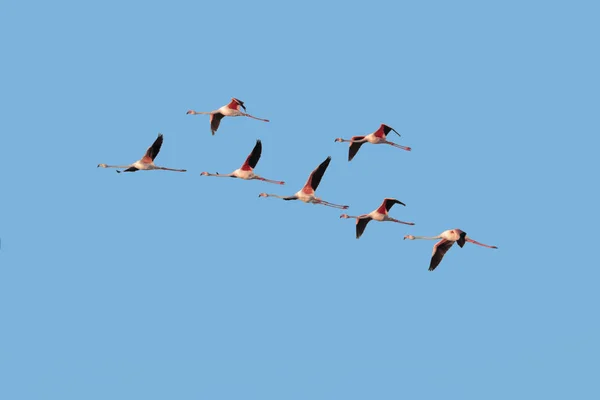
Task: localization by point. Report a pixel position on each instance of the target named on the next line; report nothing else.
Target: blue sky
(162, 285)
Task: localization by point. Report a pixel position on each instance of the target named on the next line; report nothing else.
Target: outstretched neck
(357, 140)
(192, 112)
(423, 237)
(218, 175)
(113, 166)
(352, 216)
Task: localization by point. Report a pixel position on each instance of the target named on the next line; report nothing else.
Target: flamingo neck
(426, 237)
(114, 166)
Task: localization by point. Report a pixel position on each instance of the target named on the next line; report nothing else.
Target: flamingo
(380, 214)
(448, 238)
(230, 110)
(146, 162)
(377, 137)
(307, 193)
(246, 170)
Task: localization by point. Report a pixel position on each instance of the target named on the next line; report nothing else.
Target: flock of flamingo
(307, 193)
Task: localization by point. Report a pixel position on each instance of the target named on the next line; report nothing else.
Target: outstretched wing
(439, 249)
(461, 240)
(215, 121)
(361, 224)
(387, 129)
(238, 102)
(354, 147)
(315, 177)
(130, 169)
(253, 158)
(153, 150)
(387, 204)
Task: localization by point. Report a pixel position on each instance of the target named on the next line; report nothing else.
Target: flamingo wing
(387, 205)
(387, 129)
(215, 121)
(239, 102)
(315, 177)
(354, 147)
(361, 224)
(439, 249)
(254, 156)
(130, 169)
(153, 150)
(462, 239)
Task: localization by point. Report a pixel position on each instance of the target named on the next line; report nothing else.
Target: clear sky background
(159, 285)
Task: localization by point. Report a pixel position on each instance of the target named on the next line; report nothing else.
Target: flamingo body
(377, 137)
(232, 109)
(448, 238)
(379, 214)
(246, 171)
(307, 193)
(146, 163)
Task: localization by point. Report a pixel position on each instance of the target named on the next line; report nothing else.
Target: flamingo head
(101, 165)
(263, 195)
(191, 112)
(344, 216)
(204, 173)
(409, 237)
(339, 140)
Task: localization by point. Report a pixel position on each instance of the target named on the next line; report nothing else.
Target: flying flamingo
(377, 137)
(307, 193)
(230, 110)
(146, 162)
(380, 214)
(448, 238)
(246, 170)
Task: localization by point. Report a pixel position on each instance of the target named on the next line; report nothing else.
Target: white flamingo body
(448, 238)
(244, 174)
(233, 109)
(377, 137)
(380, 214)
(146, 163)
(246, 171)
(307, 193)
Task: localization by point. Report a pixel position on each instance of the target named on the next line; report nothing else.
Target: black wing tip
(433, 265)
(461, 241)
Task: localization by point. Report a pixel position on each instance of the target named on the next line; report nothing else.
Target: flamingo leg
(171, 169)
(480, 244)
(401, 222)
(326, 203)
(398, 146)
(260, 178)
(251, 116)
